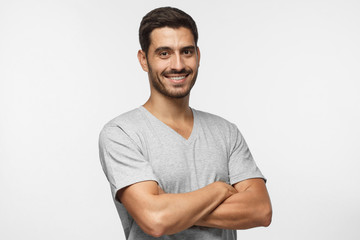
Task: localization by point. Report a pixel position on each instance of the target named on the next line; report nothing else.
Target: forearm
(181, 211)
(243, 210)
(164, 214)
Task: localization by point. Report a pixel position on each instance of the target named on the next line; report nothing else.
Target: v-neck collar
(169, 129)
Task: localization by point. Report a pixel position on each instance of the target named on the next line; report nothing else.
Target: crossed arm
(219, 205)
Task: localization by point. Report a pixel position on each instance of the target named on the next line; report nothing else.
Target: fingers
(160, 190)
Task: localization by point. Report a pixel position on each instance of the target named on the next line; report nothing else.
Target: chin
(177, 95)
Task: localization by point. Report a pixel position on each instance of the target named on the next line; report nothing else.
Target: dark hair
(164, 17)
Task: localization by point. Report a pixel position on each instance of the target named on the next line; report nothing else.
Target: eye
(187, 52)
(164, 54)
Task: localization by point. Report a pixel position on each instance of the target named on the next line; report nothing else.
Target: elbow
(154, 226)
(266, 216)
(154, 229)
(155, 233)
(163, 224)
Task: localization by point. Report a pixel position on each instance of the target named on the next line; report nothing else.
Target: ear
(198, 55)
(142, 60)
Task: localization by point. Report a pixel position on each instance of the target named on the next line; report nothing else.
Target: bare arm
(248, 208)
(159, 214)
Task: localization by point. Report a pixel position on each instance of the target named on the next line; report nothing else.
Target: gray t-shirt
(136, 146)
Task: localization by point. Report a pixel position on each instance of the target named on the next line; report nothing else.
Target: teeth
(177, 78)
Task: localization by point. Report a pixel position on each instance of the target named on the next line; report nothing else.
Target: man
(176, 172)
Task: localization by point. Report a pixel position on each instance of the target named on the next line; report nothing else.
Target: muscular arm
(248, 208)
(159, 214)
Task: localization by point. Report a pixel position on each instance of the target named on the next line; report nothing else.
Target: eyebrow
(159, 49)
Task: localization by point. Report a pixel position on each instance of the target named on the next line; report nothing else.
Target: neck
(169, 109)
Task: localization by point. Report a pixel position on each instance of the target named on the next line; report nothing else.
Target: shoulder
(219, 127)
(128, 125)
(213, 120)
(129, 118)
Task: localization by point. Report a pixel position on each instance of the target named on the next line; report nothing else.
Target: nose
(177, 62)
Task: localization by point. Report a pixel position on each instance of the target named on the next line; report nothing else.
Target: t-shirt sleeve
(122, 159)
(241, 163)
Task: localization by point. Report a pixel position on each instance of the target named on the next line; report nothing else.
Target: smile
(176, 78)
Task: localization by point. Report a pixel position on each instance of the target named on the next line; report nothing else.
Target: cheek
(159, 67)
(192, 63)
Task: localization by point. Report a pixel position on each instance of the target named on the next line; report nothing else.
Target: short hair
(164, 17)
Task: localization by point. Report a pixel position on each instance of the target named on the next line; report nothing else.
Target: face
(172, 61)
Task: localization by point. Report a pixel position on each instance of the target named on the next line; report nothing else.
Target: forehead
(171, 37)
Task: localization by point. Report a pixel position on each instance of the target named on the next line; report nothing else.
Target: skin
(173, 55)
(171, 52)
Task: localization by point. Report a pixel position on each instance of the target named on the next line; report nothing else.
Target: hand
(230, 190)
(160, 190)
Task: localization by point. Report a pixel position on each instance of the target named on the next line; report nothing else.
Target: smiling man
(172, 77)
(176, 172)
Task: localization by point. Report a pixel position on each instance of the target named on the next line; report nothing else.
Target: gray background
(286, 72)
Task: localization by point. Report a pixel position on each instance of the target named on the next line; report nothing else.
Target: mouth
(177, 78)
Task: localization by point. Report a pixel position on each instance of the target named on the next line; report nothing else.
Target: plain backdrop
(286, 72)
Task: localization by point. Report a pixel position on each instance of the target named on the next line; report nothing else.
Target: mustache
(182, 71)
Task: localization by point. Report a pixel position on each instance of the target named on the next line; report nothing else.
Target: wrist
(224, 189)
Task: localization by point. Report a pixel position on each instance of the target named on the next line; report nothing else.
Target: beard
(165, 90)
